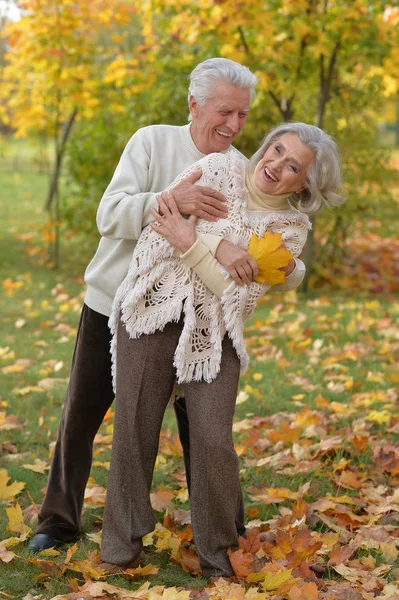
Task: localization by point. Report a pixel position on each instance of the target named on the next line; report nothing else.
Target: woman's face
(284, 166)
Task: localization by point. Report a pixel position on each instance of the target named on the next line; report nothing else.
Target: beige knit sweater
(159, 287)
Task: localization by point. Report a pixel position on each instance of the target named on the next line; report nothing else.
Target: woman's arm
(293, 280)
(181, 233)
(197, 250)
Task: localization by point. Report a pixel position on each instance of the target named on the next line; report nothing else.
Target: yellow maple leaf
(270, 257)
(272, 581)
(8, 492)
(39, 466)
(16, 520)
(142, 571)
(49, 552)
(88, 570)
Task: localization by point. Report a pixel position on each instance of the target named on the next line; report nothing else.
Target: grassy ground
(323, 371)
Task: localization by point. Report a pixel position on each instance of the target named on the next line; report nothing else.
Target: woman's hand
(179, 232)
(289, 268)
(241, 267)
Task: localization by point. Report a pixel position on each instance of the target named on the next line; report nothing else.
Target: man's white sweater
(152, 159)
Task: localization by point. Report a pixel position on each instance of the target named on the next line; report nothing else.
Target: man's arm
(198, 200)
(124, 209)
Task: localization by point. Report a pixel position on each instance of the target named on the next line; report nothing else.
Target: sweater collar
(256, 198)
(188, 143)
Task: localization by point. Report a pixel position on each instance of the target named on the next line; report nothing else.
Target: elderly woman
(178, 316)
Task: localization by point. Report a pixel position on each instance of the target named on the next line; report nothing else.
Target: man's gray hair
(209, 73)
(324, 175)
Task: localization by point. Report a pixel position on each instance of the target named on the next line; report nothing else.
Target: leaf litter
(320, 473)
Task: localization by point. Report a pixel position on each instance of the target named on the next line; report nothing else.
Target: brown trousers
(145, 379)
(88, 398)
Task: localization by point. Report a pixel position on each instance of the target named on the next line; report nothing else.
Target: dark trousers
(145, 377)
(88, 398)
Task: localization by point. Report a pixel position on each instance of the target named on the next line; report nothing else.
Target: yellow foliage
(379, 416)
(16, 520)
(8, 492)
(272, 581)
(53, 48)
(270, 257)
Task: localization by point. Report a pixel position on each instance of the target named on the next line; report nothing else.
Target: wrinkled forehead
(227, 93)
(293, 146)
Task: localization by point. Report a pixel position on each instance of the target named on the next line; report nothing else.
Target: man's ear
(193, 106)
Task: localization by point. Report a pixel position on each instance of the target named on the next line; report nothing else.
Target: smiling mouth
(270, 175)
(223, 134)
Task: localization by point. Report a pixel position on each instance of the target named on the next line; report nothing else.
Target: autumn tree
(323, 62)
(327, 63)
(55, 50)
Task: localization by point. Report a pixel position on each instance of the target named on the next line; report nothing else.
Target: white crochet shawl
(159, 287)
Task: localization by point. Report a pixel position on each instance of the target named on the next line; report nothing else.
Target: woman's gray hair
(209, 73)
(324, 175)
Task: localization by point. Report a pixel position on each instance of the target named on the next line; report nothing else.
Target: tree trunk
(284, 105)
(326, 77)
(397, 125)
(58, 159)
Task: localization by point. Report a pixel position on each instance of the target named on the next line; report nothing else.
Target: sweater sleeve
(293, 280)
(124, 209)
(201, 260)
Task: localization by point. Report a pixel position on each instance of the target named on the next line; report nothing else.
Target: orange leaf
(272, 495)
(305, 545)
(360, 442)
(307, 591)
(251, 543)
(342, 554)
(48, 567)
(270, 257)
(240, 561)
(188, 559)
(349, 480)
(285, 434)
(162, 500)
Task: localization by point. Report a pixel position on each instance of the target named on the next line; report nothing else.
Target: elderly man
(219, 99)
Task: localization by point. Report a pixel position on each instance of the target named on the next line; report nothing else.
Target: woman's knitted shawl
(159, 287)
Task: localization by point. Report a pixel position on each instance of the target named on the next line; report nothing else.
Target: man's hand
(199, 200)
(241, 267)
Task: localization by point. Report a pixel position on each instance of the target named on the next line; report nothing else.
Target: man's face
(216, 124)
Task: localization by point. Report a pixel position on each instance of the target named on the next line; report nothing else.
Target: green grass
(334, 347)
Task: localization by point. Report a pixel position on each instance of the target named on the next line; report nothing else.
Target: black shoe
(42, 541)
